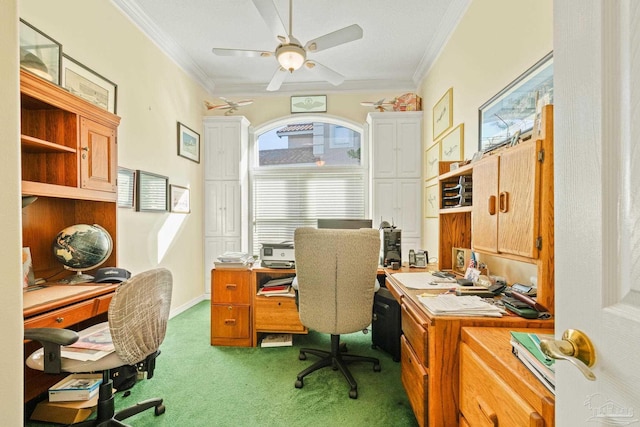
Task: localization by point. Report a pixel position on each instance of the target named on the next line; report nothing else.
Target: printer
(278, 255)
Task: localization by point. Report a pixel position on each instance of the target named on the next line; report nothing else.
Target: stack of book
(526, 347)
(277, 340)
(75, 387)
(452, 305)
(240, 260)
(278, 287)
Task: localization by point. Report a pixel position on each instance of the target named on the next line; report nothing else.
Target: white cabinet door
(222, 208)
(398, 201)
(408, 148)
(225, 145)
(383, 139)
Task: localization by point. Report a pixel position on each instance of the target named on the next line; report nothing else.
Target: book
(277, 340)
(278, 282)
(75, 387)
(280, 291)
(526, 347)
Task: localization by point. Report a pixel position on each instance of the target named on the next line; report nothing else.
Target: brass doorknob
(576, 348)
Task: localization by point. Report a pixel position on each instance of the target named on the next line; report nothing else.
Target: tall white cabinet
(396, 147)
(226, 219)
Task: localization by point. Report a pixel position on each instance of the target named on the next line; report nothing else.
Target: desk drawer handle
(229, 321)
(487, 411)
(59, 319)
(231, 286)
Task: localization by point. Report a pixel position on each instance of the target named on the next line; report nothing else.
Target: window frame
(255, 170)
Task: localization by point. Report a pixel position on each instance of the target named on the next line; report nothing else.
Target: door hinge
(541, 156)
(539, 243)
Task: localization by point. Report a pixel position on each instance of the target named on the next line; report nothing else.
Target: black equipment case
(386, 325)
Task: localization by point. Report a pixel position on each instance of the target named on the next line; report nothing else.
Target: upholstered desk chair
(138, 315)
(336, 272)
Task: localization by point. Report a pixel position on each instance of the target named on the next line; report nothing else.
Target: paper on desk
(452, 305)
(424, 281)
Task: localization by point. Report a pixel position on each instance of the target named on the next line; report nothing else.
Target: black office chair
(336, 272)
(138, 315)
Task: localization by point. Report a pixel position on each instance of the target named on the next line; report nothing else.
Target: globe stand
(80, 277)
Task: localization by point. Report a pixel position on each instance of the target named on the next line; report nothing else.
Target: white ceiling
(401, 40)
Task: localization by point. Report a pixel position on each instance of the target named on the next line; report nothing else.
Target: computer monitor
(342, 223)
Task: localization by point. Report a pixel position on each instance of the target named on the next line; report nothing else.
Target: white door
(597, 205)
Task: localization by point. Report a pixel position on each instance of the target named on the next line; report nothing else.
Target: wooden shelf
(463, 170)
(461, 209)
(64, 192)
(37, 145)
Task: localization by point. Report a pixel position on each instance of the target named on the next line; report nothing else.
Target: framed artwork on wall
(126, 187)
(515, 107)
(452, 144)
(151, 192)
(188, 143)
(179, 197)
(431, 161)
(85, 83)
(39, 54)
(443, 114)
(309, 104)
(431, 201)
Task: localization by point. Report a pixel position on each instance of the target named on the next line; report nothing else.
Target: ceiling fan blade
(277, 79)
(325, 73)
(241, 52)
(269, 13)
(344, 35)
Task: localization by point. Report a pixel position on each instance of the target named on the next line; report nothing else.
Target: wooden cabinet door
(484, 219)
(518, 200)
(97, 156)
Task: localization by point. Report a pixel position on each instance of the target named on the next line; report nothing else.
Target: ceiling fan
(229, 105)
(290, 53)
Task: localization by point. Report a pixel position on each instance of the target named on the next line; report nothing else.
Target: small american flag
(472, 261)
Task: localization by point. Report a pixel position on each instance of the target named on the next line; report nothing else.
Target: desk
(430, 354)
(60, 306)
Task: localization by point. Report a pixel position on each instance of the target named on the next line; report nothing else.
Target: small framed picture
(309, 104)
(85, 83)
(39, 54)
(188, 143)
(179, 197)
(460, 259)
(432, 167)
(431, 201)
(126, 187)
(151, 192)
(443, 114)
(452, 145)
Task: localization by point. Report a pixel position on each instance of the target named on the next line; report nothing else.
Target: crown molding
(166, 44)
(454, 13)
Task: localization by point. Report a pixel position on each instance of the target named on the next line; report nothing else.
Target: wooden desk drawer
(62, 318)
(414, 379)
(277, 314)
(230, 321)
(416, 334)
(485, 399)
(230, 286)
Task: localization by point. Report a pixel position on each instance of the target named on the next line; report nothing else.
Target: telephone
(418, 258)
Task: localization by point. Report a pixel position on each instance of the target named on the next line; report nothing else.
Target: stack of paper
(452, 305)
(526, 347)
(234, 260)
(94, 343)
(277, 340)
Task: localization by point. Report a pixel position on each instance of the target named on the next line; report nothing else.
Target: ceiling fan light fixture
(290, 56)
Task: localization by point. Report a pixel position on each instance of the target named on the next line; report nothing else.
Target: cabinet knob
(59, 319)
(504, 202)
(231, 286)
(85, 149)
(229, 321)
(491, 206)
(487, 411)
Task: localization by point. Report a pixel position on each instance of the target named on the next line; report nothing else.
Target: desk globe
(82, 247)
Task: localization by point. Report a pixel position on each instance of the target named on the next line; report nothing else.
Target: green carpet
(231, 386)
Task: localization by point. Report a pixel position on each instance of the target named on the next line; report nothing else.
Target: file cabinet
(231, 307)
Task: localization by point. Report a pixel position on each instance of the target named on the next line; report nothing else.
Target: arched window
(305, 168)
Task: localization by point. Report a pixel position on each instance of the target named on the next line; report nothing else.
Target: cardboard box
(64, 412)
(408, 102)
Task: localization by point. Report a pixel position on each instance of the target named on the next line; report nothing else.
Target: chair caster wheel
(353, 394)
(302, 356)
(159, 410)
(299, 383)
(377, 368)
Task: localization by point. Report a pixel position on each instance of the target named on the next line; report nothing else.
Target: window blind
(287, 200)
